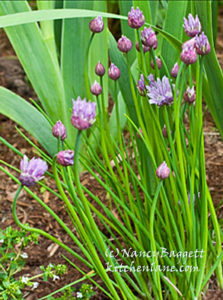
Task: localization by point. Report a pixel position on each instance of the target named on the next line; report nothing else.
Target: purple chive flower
(136, 18)
(96, 89)
(99, 69)
(145, 49)
(96, 25)
(163, 171)
(190, 95)
(192, 26)
(141, 85)
(32, 171)
(65, 158)
(113, 72)
(201, 44)
(158, 61)
(83, 114)
(124, 44)
(59, 130)
(188, 55)
(148, 38)
(160, 92)
(174, 70)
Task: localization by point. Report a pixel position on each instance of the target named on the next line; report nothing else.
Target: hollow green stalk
(42, 232)
(96, 231)
(86, 77)
(152, 237)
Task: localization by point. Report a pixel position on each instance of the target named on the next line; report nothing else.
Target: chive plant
(160, 242)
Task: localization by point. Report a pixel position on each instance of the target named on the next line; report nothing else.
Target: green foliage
(85, 293)
(142, 209)
(12, 261)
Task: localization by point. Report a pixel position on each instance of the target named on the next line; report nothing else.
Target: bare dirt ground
(13, 77)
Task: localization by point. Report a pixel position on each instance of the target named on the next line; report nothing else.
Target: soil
(13, 77)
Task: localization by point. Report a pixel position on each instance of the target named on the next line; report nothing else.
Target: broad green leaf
(47, 27)
(26, 115)
(58, 29)
(36, 60)
(42, 70)
(75, 39)
(214, 5)
(36, 16)
(154, 10)
(173, 25)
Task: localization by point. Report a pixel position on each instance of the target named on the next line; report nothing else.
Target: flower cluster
(136, 20)
(199, 43)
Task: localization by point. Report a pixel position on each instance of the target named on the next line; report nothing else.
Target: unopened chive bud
(96, 89)
(99, 69)
(113, 72)
(163, 171)
(96, 25)
(59, 130)
(175, 70)
(189, 55)
(124, 44)
(158, 61)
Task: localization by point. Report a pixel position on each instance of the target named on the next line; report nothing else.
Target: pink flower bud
(113, 72)
(145, 49)
(158, 61)
(96, 25)
(96, 89)
(188, 55)
(99, 69)
(163, 171)
(175, 70)
(59, 130)
(124, 44)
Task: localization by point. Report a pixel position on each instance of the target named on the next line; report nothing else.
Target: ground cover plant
(164, 239)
